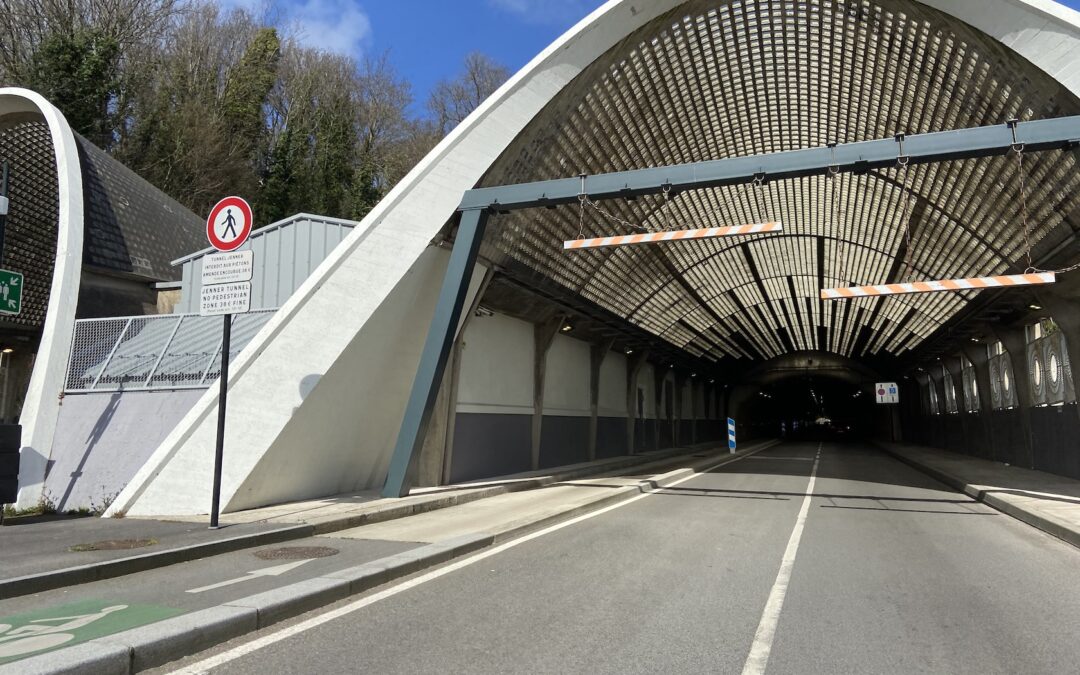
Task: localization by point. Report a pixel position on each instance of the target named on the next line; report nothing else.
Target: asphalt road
(882, 570)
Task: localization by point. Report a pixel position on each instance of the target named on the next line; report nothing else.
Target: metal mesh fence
(174, 351)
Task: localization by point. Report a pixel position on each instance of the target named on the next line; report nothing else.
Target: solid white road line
(766, 630)
(207, 664)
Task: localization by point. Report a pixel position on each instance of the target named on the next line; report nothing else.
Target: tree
(451, 101)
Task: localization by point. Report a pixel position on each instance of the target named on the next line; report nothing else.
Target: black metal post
(3, 216)
(223, 388)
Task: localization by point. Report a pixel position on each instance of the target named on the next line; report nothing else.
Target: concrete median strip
(159, 643)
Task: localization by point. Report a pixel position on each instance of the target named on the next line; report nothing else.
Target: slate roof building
(91, 239)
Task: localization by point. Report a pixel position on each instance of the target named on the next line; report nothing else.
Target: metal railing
(157, 352)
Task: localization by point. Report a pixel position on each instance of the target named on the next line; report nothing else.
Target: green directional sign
(11, 285)
(32, 633)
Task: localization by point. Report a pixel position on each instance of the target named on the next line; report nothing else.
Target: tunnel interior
(694, 324)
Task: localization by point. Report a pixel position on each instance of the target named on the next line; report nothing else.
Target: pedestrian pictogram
(11, 284)
(887, 392)
(229, 223)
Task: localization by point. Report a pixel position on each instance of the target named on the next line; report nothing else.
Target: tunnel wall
(1000, 437)
(496, 402)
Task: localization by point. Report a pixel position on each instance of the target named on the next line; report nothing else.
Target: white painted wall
(496, 375)
(612, 399)
(566, 380)
(687, 410)
(41, 408)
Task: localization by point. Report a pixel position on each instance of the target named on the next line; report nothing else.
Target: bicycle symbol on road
(38, 634)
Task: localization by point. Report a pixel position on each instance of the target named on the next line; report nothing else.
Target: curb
(1047, 524)
(159, 643)
(108, 569)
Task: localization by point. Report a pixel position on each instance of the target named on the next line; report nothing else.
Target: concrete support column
(954, 366)
(543, 336)
(597, 354)
(980, 360)
(633, 369)
(659, 373)
(695, 385)
(1014, 340)
(677, 410)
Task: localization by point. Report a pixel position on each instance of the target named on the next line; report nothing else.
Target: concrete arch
(359, 320)
(42, 403)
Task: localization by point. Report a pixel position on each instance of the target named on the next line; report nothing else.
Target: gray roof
(132, 228)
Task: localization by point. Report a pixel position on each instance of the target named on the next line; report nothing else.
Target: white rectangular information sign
(887, 392)
(227, 268)
(225, 299)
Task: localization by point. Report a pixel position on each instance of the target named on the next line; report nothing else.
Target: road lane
(676, 579)
(895, 573)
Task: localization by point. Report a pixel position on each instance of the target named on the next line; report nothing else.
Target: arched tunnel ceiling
(717, 79)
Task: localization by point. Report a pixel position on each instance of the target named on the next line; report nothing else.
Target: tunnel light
(1035, 307)
(7, 350)
(566, 328)
(672, 235)
(629, 352)
(975, 283)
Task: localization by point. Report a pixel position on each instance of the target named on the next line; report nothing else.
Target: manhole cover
(296, 553)
(113, 545)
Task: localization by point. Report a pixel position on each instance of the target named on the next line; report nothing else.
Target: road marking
(766, 630)
(204, 666)
(275, 571)
(43, 630)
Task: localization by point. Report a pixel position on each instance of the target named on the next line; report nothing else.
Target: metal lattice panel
(30, 233)
(718, 79)
(174, 351)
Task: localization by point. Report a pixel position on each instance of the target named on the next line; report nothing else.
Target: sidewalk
(38, 556)
(1043, 500)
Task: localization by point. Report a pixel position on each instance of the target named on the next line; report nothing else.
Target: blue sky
(428, 39)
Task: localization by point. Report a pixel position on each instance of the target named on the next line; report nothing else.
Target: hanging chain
(834, 180)
(584, 201)
(1018, 148)
(759, 184)
(905, 194)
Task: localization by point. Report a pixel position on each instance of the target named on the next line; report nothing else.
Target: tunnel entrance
(813, 407)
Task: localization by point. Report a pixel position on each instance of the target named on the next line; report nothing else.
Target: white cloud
(547, 11)
(339, 26)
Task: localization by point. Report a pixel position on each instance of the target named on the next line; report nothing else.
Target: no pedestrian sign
(887, 392)
(227, 268)
(229, 224)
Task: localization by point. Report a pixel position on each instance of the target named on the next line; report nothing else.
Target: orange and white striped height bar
(672, 235)
(974, 284)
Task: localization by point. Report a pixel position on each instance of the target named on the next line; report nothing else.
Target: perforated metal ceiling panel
(723, 79)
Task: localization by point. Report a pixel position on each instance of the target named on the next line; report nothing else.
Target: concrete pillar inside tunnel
(1014, 340)
(980, 361)
(954, 366)
(635, 412)
(543, 336)
(597, 354)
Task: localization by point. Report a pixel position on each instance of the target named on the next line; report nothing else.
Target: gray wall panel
(610, 437)
(563, 440)
(487, 445)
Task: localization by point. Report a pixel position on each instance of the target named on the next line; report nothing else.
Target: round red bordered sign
(229, 223)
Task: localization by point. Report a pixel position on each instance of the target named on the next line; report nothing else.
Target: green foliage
(204, 102)
(79, 73)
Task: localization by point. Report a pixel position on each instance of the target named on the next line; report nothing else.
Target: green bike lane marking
(31, 633)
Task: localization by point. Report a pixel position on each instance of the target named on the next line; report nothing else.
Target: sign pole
(222, 393)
